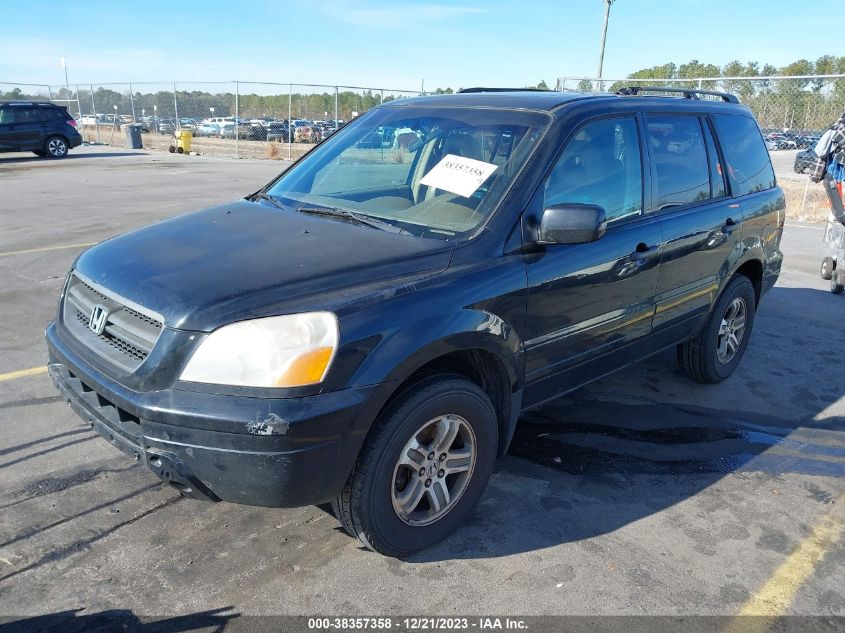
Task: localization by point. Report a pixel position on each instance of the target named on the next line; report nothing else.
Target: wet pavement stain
(598, 438)
(818, 494)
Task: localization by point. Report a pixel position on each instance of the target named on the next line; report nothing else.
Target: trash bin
(183, 141)
(133, 136)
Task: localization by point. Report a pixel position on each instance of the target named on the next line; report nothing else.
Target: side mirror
(572, 223)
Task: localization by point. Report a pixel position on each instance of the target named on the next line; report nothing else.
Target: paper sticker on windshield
(458, 174)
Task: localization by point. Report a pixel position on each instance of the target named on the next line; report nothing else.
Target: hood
(245, 260)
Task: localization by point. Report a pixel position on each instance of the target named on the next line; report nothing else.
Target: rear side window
(749, 167)
(29, 115)
(680, 159)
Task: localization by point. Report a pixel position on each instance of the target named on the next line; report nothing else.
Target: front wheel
(423, 467)
(715, 353)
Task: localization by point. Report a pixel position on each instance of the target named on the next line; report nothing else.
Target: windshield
(434, 172)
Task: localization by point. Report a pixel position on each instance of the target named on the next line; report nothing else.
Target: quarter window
(749, 167)
(680, 159)
(600, 165)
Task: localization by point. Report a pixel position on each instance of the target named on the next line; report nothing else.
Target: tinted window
(55, 114)
(6, 116)
(29, 115)
(717, 175)
(680, 159)
(600, 165)
(749, 167)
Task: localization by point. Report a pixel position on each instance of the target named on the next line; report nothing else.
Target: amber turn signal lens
(307, 369)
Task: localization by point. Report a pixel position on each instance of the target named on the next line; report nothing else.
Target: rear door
(28, 128)
(701, 225)
(590, 304)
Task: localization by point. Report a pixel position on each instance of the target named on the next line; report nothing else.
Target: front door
(589, 305)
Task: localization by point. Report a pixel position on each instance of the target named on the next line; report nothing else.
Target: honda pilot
(367, 328)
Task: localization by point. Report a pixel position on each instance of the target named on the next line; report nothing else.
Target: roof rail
(24, 102)
(688, 93)
(479, 89)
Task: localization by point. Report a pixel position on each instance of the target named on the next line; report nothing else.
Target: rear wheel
(55, 147)
(827, 268)
(423, 467)
(714, 354)
(837, 282)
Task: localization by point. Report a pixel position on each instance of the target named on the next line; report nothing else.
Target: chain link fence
(788, 109)
(233, 119)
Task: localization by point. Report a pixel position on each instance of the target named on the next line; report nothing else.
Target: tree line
(198, 104)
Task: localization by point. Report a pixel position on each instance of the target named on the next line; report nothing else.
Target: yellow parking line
(773, 599)
(47, 248)
(22, 373)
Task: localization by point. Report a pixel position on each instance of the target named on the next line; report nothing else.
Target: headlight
(283, 351)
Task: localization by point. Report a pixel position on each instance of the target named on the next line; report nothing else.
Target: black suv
(45, 129)
(367, 328)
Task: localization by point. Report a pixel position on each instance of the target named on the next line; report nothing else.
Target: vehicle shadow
(76, 154)
(76, 621)
(599, 459)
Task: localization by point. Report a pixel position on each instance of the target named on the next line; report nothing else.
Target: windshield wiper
(352, 216)
(261, 195)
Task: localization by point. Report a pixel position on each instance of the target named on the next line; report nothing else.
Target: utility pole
(607, 4)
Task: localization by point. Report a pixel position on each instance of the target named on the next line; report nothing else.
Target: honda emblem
(99, 317)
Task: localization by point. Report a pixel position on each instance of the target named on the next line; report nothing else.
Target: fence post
(175, 107)
(237, 119)
(336, 91)
(79, 114)
(94, 110)
(290, 119)
(132, 103)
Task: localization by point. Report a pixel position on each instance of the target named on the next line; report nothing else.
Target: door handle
(643, 252)
(730, 226)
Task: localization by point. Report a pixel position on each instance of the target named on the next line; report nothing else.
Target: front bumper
(256, 451)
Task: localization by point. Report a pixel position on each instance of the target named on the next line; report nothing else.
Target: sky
(400, 43)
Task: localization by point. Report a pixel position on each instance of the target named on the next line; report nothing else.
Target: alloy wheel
(433, 470)
(57, 147)
(731, 330)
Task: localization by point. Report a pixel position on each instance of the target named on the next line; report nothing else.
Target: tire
(367, 506)
(705, 358)
(56, 147)
(827, 268)
(837, 283)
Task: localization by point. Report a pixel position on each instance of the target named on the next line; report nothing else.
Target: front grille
(129, 334)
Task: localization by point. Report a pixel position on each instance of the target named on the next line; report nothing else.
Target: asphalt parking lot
(643, 493)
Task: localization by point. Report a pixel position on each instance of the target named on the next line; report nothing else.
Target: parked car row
(303, 130)
(790, 139)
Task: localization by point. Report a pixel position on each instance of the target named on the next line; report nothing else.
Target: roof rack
(479, 89)
(22, 102)
(688, 93)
